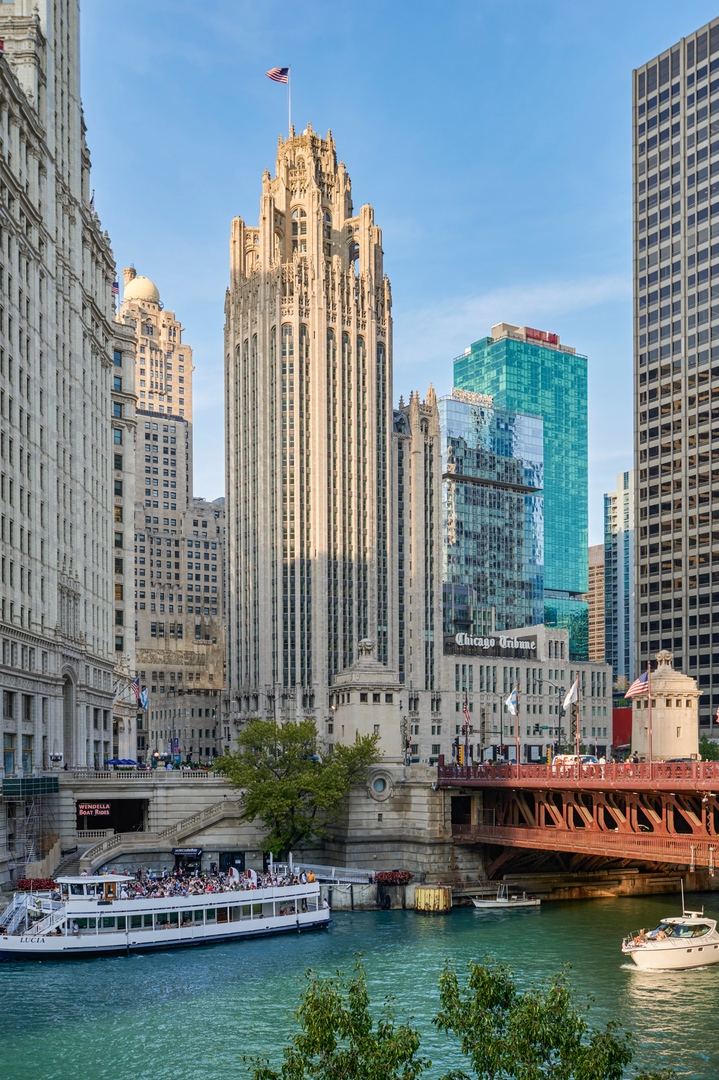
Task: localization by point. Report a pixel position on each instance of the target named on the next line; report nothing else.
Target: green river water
(194, 1013)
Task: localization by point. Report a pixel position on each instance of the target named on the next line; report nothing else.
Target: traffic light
(455, 744)
(460, 754)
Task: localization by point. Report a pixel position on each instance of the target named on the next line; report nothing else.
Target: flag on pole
(92, 201)
(116, 692)
(639, 686)
(511, 702)
(143, 699)
(572, 694)
(278, 74)
(135, 687)
(115, 288)
(466, 712)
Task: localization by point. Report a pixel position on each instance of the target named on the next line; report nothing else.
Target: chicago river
(191, 1013)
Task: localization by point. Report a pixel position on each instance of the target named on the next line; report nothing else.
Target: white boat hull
(237, 908)
(502, 905)
(674, 957)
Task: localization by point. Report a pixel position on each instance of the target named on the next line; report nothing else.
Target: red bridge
(584, 816)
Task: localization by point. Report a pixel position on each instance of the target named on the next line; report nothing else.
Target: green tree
(527, 1035)
(290, 782)
(339, 1040)
(709, 749)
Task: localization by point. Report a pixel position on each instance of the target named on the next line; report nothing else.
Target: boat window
(210, 914)
(161, 920)
(257, 909)
(108, 922)
(77, 890)
(187, 918)
(199, 916)
(147, 921)
(135, 922)
(174, 918)
(246, 912)
(64, 889)
(121, 921)
(85, 924)
(222, 914)
(699, 931)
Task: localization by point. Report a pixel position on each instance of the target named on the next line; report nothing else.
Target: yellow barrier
(437, 898)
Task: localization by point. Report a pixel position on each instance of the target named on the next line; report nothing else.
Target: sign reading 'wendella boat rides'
(93, 809)
(496, 645)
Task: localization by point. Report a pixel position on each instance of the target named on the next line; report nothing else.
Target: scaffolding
(31, 810)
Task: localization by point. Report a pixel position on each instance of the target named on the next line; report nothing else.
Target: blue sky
(492, 138)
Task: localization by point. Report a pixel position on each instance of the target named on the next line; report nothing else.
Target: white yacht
(506, 899)
(88, 916)
(687, 941)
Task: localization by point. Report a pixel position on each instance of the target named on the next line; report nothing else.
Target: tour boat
(504, 899)
(686, 941)
(87, 916)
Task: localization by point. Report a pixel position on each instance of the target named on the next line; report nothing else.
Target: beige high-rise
(308, 354)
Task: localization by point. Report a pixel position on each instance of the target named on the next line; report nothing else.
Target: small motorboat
(687, 941)
(506, 899)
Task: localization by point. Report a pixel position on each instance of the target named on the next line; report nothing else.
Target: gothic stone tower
(308, 356)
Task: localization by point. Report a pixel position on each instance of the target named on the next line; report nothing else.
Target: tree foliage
(290, 782)
(709, 749)
(505, 1033)
(340, 1041)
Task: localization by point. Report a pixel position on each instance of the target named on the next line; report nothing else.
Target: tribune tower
(308, 360)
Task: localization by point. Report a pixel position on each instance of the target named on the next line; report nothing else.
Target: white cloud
(448, 327)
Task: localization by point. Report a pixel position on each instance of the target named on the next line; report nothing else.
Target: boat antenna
(681, 882)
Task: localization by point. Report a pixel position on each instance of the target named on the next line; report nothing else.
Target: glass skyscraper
(528, 371)
(492, 507)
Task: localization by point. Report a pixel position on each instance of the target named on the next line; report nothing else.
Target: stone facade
(56, 379)
(674, 715)
(308, 361)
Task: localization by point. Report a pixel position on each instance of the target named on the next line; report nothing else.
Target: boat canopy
(89, 879)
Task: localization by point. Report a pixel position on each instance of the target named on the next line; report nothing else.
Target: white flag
(573, 694)
(116, 692)
(511, 702)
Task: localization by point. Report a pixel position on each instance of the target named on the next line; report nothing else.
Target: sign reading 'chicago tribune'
(496, 645)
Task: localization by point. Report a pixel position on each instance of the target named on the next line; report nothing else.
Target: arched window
(299, 230)
(300, 163)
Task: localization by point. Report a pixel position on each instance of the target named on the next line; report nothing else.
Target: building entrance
(230, 859)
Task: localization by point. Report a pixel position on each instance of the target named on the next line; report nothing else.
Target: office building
(57, 626)
(178, 539)
(482, 671)
(595, 603)
(308, 355)
(619, 580)
(530, 372)
(676, 359)
(492, 506)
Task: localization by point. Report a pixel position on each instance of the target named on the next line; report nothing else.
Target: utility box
(433, 899)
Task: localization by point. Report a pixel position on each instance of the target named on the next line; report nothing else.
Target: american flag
(466, 712)
(135, 687)
(115, 288)
(639, 686)
(278, 74)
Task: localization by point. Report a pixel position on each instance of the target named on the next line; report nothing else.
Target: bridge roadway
(666, 814)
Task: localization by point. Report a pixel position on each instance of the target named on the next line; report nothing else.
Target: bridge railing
(489, 772)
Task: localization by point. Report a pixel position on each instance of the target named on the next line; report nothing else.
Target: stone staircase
(134, 843)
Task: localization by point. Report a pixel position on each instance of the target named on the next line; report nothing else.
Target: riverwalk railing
(141, 776)
(339, 874)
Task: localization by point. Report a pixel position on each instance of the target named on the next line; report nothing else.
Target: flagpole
(649, 702)
(517, 727)
(289, 101)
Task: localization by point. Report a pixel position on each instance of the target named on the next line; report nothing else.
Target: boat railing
(14, 913)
